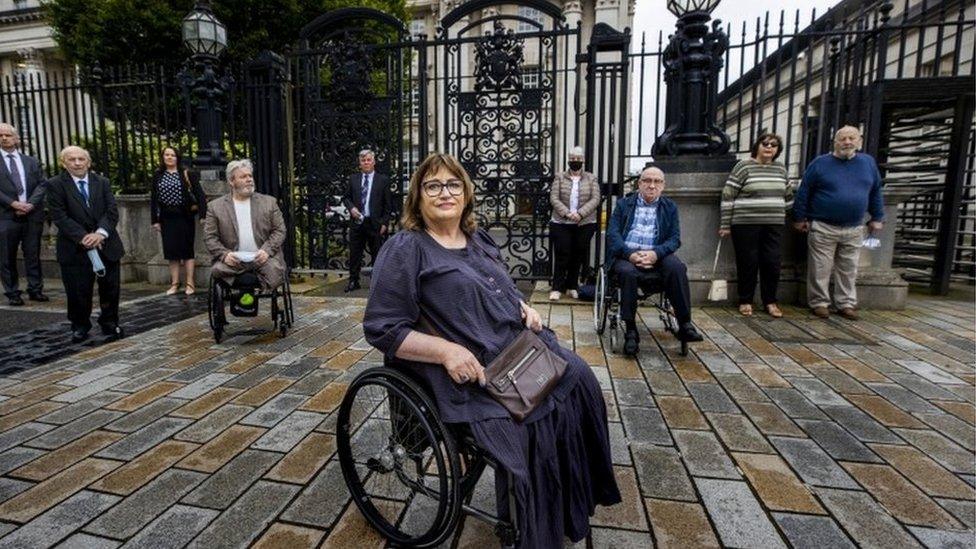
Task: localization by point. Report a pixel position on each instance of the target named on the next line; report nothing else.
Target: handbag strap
(718, 250)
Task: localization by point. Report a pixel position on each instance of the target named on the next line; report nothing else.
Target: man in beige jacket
(244, 230)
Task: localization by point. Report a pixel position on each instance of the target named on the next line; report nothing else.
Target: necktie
(365, 192)
(82, 184)
(15, 175)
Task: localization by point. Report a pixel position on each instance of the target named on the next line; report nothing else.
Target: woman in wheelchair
(445, 274)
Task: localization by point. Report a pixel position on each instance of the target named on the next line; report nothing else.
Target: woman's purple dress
(560, 456)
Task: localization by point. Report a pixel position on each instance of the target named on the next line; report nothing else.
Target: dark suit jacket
(380, 198)
(75, 219)
(33, 179)
(197, 195)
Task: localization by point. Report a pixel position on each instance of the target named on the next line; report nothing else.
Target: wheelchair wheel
(215, 308)
(282, 323)
(600, 302)
(399, 461)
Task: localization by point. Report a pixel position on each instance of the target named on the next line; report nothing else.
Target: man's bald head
(847, 140)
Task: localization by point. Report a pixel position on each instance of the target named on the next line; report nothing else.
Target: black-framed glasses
(433, 188)
(770, 144)
(652, 181)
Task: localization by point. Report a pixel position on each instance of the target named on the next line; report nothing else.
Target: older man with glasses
(642, 238)
(370, 204)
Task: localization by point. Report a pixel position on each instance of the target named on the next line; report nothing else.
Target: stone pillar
(608, 11)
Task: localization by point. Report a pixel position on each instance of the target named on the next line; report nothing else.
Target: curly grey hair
(234, 165)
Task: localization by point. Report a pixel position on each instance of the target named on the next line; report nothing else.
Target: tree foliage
(113, 32)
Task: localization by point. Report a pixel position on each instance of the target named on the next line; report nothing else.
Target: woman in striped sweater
(754, 203)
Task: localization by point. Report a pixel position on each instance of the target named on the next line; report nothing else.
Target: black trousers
(362, 236)
(757, 252)
(25, 235)
(79, 282)
(673, 279)
(570, 252)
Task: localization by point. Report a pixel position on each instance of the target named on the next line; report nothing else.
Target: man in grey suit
(22, 186)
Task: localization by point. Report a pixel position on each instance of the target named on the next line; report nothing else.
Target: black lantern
(692, 63)
(206, 37)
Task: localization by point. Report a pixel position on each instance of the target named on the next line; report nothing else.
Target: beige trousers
(833, 250)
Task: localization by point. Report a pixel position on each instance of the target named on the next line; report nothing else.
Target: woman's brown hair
(754, 151)
(412, 218)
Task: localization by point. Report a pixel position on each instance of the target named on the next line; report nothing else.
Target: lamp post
(206, 37)
(692, 63)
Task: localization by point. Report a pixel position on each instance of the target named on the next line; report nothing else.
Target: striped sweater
(756, 194)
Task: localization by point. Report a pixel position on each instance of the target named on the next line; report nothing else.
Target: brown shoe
(745, 309)
(821, 312)
(848, 313)
(774, 311)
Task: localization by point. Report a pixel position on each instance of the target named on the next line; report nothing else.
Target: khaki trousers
(833, 250)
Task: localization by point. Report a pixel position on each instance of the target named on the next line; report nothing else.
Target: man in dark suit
(83, 207)
(21, 218)
(370, 204)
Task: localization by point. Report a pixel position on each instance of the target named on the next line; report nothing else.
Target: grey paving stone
(866, 521)
(603, 376)
(197, 372)
(10, 487)
(965, 511)
(738, 433)
(139, 509)
(949, 454)
(202, 386)
(85, 541)
(943, 539)
(903, 398)
(255, 375)
(952, 427)
(296, 370)
(76, 429)
(285, 435)
(810, 532)
(60, 521)
(742, 388)
(841, 382)
(74, 411)
(96, 374)
(718, 363)
(836, 441)
(144, 380)
(661, 473)
(223, 487)
(666, 383)
(173, 529)
(275, 410)
(321, 502)
(213, 423)
(149, 413)
(313, 382)
(633, 392)
(704, 455)
(930, 372)
(710, 397)
(239, 525)
(818, 392)
(22, 433)
(924, 388)
(15, 457)
(619, 446)
(620, 539)
(147, 437)
(650, 358)
(644, 425)
(738, 517)
(6, 528)
(794, 404)
(861, 425)
(90, 389)
(812, 463)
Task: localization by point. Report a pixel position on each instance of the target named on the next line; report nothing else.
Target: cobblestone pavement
(770, 433)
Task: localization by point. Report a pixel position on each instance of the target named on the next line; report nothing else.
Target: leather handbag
(523, 374)
(191, 199)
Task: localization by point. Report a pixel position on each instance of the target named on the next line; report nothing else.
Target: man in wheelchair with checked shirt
(641, 240)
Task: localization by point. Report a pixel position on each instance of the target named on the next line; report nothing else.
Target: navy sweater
(839, 191)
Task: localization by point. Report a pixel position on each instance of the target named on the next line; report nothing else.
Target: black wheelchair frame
(219, 292)
(415, 429)
(606, 306)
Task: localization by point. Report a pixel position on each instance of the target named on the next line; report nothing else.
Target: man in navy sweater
(837, 190)
(641, 240)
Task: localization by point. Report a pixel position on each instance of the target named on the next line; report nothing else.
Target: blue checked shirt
(643, 232)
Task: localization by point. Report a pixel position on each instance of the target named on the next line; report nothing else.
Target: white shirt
(368, 185)
(87, 181)
(574, 194)
(245, 230)
(22, 197)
